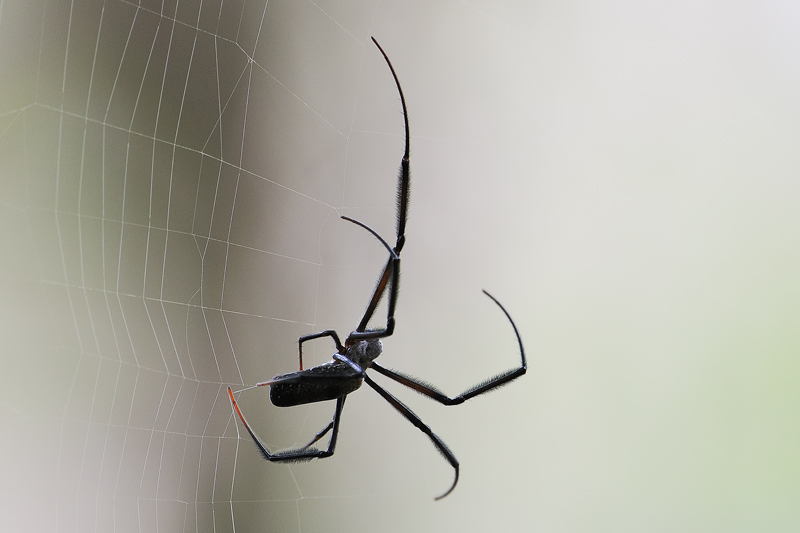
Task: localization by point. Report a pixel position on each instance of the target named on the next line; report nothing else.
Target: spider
(347, 370)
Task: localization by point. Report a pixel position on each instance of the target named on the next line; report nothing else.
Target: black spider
(347, 370)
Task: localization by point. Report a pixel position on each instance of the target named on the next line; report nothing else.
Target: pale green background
(623, 176)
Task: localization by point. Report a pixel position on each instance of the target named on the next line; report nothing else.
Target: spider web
(174, 175)
(623, 180)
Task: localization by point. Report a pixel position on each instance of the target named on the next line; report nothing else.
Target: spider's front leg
(391, 277)
(391, 272)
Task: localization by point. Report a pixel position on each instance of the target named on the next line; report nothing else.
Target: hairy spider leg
(391, 272)
(393, 257)
(486, 386)
(392, 268)
(414, 419)
(305, 453)
(403, 182)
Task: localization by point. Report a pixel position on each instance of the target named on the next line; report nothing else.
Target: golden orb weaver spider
(347, 370)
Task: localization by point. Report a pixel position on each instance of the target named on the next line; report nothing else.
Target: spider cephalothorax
(347, 370)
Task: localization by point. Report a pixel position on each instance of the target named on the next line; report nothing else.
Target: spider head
(363, 352)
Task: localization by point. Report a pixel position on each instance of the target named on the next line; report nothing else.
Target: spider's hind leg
(318, 436)
(409, 415)
(306, 453)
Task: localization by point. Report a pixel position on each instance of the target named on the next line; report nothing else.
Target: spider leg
(318, 436)
(403, 182)
(326, 333)
(414, 419)
(380, 287)
(490, 384)
(306, 453)
(392, 268)
(374, 233)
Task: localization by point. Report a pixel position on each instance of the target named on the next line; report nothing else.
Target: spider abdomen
(327, 381)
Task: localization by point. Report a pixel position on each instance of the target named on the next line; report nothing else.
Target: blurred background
(622, 176)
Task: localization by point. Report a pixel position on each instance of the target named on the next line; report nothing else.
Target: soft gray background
(624, 176)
